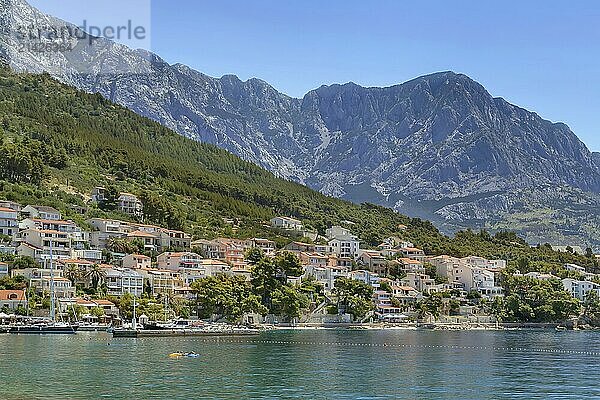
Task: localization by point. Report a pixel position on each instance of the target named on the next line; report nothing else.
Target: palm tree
(72, 273)
(120, 245)
(96, 274)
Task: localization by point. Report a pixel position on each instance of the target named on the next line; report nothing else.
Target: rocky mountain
(439, 146)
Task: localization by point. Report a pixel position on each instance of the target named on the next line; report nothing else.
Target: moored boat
(51, 328)
(93, 327)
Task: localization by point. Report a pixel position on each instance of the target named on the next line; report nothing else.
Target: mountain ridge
(439, 146)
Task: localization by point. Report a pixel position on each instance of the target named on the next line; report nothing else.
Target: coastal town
(96, 270)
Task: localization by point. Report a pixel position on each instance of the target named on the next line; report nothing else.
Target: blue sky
(541, 55)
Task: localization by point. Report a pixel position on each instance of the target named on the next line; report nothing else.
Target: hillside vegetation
(57, 143)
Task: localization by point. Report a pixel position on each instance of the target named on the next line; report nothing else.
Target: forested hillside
(57, 143)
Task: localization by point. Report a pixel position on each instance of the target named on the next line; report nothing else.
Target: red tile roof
(7, 294)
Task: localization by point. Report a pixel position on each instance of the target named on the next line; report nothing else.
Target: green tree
(289, 302)
(591, 307)
(123, 246)
(75, 312)
(161, 211)
(227, 297)
(111, 199)
(535, 300)
(432, 305)
(97, 312)
(288, 264)
(589, 253)
(24, 262)
(265, 279)
(72, 273)
(354, 297)
(254, 255)
(13, 283)
(96, 274)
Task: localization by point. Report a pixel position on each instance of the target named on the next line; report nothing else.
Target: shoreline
(436, 326)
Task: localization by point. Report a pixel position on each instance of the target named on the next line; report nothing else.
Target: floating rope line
(394, 345)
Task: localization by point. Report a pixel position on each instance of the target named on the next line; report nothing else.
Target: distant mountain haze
(438, 146)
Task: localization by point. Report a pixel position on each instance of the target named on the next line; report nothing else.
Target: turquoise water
(306, 364)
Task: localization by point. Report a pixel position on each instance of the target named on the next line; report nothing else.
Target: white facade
(366, 277)
(88, 255)
(40, 243)
(129, 204)
(579, 289)
(325, 275)
(41, 212)
(120, 281)
(344, 247)
(286, 223)
(174, 261)
(136, 261)
(469, 277)
(342, 242)
(8, 222)
(338, 231)
(575, 267)
(484, 263)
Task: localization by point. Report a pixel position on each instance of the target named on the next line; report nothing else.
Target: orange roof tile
(140, 234)
(6, 294)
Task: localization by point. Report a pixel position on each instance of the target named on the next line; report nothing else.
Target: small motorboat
(184, 355)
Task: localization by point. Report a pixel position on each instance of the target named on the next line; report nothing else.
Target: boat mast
(134, 320)
(52, 305)
(166, 308)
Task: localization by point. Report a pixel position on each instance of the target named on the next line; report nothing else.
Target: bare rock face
(439, 146)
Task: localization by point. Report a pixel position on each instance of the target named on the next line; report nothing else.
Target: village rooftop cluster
(88, 258)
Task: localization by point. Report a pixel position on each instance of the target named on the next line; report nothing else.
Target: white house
(40, 243)
(129, 204)
(325, 275)
(373, 260)
(338, 232)
(88, 255)
(344, 247)
(121, 280)
(413, 253)
(579, 289)
(41, 212)
(176, 260)
(342, 242)
(286, 223)
(366, 277)
(481, 262)
(41, 279)
(106, 229)
(483, 281)
(574, 267)
(8, 222)
(267, 246)
(469, 277)
(12, 299)
(418, 281)
(136, 261)
(11, 204)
